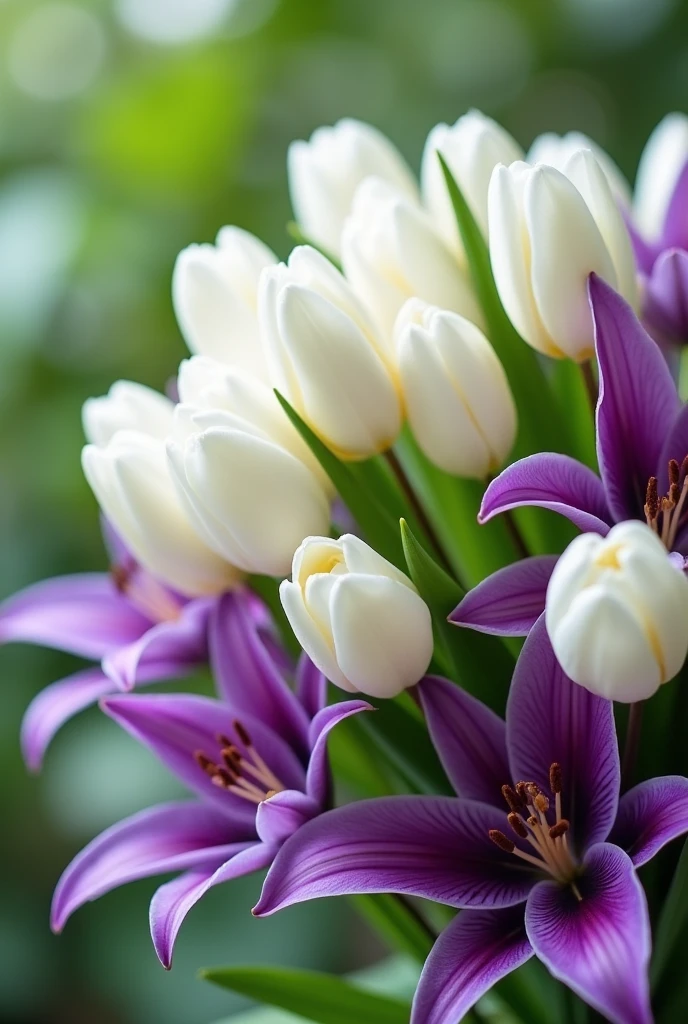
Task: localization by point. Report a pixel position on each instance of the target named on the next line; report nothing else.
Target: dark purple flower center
(666, 513)
(145, 593)
(245, 774)
(536, 818)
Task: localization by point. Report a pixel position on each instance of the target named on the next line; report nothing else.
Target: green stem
(418, 510)
(591, 385)
(632, 744)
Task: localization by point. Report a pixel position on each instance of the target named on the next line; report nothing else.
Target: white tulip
(325, 172)
(549, 230)
(391, 252)
(215, 296)
(456, 393)
(358, 618)
(471, 148)
(557, 150)
(127, 406)
(130, 479)
(250, 499)
(664, 157)
(326, 358)
(617, 613)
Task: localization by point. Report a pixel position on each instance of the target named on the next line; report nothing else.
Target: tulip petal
(510, 601)
(83, 614)
(598, 946)
(318, 775)
(469, 738)
(650, 816)
(552, 481)
(638, 402)
(54, 706)
(173, 901)
(170, 648)
(434, 847)
(282, 814)
(177, 726)
(477, 949)
(168, 837)
(246, 675)
(550, 719)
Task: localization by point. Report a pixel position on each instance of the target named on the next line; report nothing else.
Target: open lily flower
(137, 629)
(256, 760)
(538, 851)
(642, 452)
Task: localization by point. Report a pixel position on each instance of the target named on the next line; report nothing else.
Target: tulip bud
(548, 232)
(471, 148)
(662, 161)
(129, 477)
(215, 296)
(326, 358)
(456, 393)
(127, 406)
(557, 150)
(359, 619)
(391, 253)
(250, 499)
(325, 172)
(617, 612)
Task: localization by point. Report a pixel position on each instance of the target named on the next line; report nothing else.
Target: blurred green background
(129, 128)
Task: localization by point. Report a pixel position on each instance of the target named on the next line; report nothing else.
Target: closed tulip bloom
(391, 252)
(472, 148)
(215, 296)
(662, 161)
(456, 393)
(127, 406)
(549, 230)
(326, 357)
(325, 172)
(557, 150)
(617, 612)
(249, 498)
(131, 482)
(359, 619)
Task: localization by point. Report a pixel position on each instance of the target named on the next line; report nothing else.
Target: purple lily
(138, 630)
(642, 449)
(544, 866)
(256, 760)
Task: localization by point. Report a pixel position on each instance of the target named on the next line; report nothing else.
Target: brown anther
(674, 471)
(231, 757)
(555, 778)
(560, 829)
(674, 494)
(684, 467)
(521, 790)
(242, 733)
(541, 803)
(500, 840)
(532, 790)
(667, 505)
(513, 800)
(222, 778)
(203, 761)
(651, 500)
(532, 821)
(270, 792)
(516, 823)
(223, 740)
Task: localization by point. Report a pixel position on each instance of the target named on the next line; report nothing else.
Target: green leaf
(356, 762)
(481, 664)
(672, 920)
(378, 525)
(322, 998)
(267, 588)
(572, 394)
(401, 736)
(397, 922)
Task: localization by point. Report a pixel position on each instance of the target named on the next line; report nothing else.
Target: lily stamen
(230, 774)
(670, 506)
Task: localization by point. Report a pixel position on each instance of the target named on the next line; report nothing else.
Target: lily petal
(638, 401)
(510, 601)
(54, 706)
(311, 686)
(477, 949)
(469, 738)
(318, 774)
(169, 837)
(674, 228)
(246, 675)
(434, 847)
(83, 614)
(598, 946)
(650, 816)
(173, 901)
(177, 726)
(171, 648)
(552, 481)
(550, 719)
(665, 305)
(284, 813)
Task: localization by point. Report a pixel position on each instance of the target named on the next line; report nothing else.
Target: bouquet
(419, 498)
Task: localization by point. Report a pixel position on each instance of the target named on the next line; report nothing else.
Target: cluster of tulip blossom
(386, 352)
